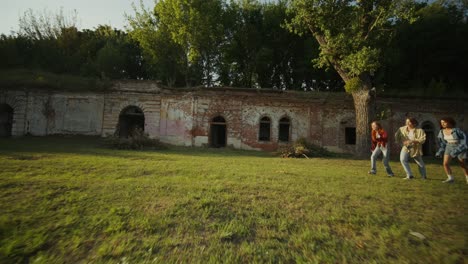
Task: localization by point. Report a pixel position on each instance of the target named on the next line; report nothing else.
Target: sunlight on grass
(67, 200)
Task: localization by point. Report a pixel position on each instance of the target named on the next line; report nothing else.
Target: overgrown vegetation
(23, 78)
(138, 140)
(67, 200)
(243, 44)
(303, 149)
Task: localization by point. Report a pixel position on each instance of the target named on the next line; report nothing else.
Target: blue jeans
(386, 156)
(404, 157)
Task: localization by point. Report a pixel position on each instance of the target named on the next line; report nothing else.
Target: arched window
(218, 135)
(284, 129)
(131, 121)
(264, 130)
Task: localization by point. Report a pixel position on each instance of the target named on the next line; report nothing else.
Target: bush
(138, 140)
(303, 149)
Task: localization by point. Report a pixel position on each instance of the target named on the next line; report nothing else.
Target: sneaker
(390, 175)
(448, 181)
(372, 172)
(408, 178)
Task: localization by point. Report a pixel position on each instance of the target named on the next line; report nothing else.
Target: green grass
(68, 200)
(24, 78)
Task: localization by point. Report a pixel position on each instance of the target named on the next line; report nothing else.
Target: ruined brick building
(239, 118)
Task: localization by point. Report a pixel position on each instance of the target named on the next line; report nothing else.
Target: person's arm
(421, 138)
(442, 144)
(461, 145)
(383, 138)
(398, 137)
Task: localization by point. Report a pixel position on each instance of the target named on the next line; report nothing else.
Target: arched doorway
(131, 121)
(218, 132)
(430, 144)
(6, 120)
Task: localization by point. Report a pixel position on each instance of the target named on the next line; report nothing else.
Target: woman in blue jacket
(452, 144)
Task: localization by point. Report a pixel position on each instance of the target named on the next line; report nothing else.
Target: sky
(91, 13)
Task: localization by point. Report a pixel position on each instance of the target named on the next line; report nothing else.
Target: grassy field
(69, 200)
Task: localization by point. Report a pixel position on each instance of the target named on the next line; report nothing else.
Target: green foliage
(352, 85)
(413, 64)
(138, 140)
(45, 25)
(52, 43)
(189, 31)
(21, 78)
(303, 149)
(364, 60)
(383, 113)
(436, 88)
(351, 34)
(166, 57)
(67, 200)
(248, 44)
(110, 62)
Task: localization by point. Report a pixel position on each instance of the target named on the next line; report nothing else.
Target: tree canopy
(351, 36)
(247, 43)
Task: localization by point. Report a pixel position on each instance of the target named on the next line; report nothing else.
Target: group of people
(452, 144)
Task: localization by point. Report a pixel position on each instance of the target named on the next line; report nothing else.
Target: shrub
(303, 149)
(138, 140)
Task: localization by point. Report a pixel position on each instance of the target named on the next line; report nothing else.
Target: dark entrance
(284, 128)
(218, 132)
(6, 120)
(131, 121)
(430, 144)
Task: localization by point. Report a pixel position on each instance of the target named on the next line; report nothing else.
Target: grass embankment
(68, 200)
(23, 78)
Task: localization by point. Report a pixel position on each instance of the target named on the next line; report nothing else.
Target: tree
(244, 42)
(45, 25)
(351, 35)
(181, 36)
(429, 67)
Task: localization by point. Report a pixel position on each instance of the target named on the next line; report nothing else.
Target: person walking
(379, 139)
(452, 144)
(411, 138)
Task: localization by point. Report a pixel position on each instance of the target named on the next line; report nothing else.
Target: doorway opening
(218, 132)
(131, 122)
(6, 120)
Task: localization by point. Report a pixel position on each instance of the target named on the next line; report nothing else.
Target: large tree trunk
(364, 101)
(364, 105)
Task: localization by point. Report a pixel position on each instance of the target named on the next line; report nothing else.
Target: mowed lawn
(70, 200)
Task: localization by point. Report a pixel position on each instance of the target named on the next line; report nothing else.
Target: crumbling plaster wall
(42, 113)
(182, 116)
(255, 109)
(186, 117)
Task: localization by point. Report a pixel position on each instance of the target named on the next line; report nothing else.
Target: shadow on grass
(95, 145)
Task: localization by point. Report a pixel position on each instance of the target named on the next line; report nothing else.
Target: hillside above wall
(24, 79)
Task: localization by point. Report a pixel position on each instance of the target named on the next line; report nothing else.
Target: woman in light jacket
(412, 139)
(452, 144)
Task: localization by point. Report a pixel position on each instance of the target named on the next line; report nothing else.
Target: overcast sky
(91, 13)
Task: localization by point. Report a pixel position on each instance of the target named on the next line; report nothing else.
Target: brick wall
(184, 116)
